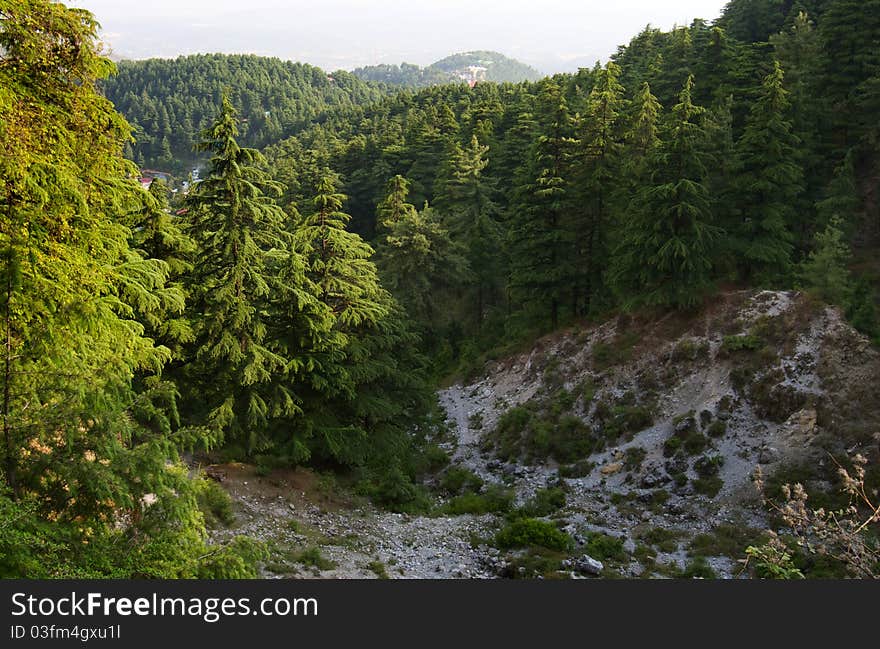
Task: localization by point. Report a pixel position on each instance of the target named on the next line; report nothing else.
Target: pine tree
(394, 207)
(643, 134)
(346, 401)
(542, 236)
(81, 448)
(237, 228)
(768, 182)
(849, 32)
(826, 270)
(665, 255)
(471, 215)
(338, 261)
(598, 166)
(158, 234)
(420, 265)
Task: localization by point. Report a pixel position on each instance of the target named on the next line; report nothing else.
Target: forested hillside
(690, 161)
(169, 101)
(452, 69)
(346, 251)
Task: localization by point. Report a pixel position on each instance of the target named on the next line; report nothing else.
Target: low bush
(747, 342)
(495, 500)
(544, 502)
(604, 547)
(531, 532)
(313, 557)
(457, 480)
(215, 503)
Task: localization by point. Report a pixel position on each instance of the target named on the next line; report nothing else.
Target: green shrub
(698, 568)
(671, 446)
(695, 443)
(378, 569)
(510, 429)
(214, 502)
(544, 502)
(604, 547)
(586, 389)
(237, 559)
(393, 489)
(746, 342)
(726, 539)
(562, 401)
(633, 457)
(434, 458)
(717, 428)
(496, 499)
(536, 563)
(690, 349)
(530, 532)
(313, 557)
(707, 466)
(664, 539)
(708, 486)
(457, 480)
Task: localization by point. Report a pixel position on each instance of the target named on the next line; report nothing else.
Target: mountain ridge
(471, 67)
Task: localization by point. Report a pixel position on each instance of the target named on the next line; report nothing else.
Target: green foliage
(744, 342)
(167, 101)
(544, 503)
(665, 254)
(495, 499)
(708, 485)
(313, 558)
(769, 562)
(394, 489)
(214, 503)
(698, 568)
(825, 271)
(717, 428)
(378, 568)
(604, 547)
(530, 532)
(237, 227)
(726, 539)
(458, 479)
(665, 540)
(768, 181)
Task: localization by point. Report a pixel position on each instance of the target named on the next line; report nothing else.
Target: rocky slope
(652, 427)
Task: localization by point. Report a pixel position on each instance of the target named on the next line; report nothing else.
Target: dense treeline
(499, 68)
(293, 306)
(134, 335)
(169, 101)
(691, 160)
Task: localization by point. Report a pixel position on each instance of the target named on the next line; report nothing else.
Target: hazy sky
(552, 35)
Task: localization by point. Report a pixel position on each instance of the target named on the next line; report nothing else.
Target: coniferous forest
(351, 246)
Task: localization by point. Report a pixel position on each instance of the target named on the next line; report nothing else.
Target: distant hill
(469, 67)
(170, 101)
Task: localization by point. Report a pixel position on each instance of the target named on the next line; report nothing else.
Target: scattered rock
(585, 565)
(611, 469)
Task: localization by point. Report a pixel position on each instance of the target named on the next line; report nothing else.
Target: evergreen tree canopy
(768, 182)
(239, 233)
(665, 256)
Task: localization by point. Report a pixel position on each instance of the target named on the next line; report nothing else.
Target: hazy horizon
(552, 36)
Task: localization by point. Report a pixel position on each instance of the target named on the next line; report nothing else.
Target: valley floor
(636, 492)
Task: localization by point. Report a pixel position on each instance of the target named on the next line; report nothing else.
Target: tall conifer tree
(665, 256)
(238, 228)
(768, 182)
